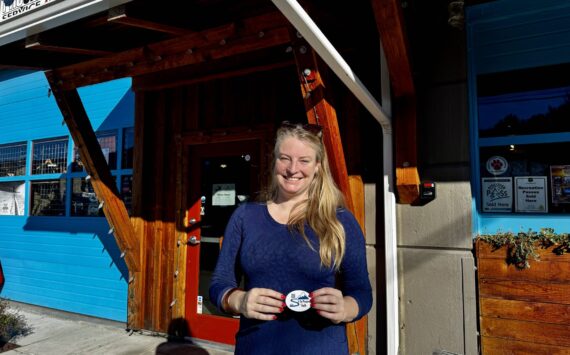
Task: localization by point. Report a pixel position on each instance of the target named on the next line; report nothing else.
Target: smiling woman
(299, 244)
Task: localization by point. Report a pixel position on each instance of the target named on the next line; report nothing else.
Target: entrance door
(220, 177)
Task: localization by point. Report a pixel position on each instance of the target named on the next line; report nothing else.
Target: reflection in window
(12, 195)
(13, 159)
(84, 202)
(128, 148)
(108, 143)
(50, 157)
(531, 112)
(525, 101)
(48, 198)
(127, 192)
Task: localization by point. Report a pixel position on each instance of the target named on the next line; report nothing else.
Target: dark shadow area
(177, 331)
(179, 348)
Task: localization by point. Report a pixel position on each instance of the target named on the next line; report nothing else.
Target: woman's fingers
(329, 303)
(262, 303)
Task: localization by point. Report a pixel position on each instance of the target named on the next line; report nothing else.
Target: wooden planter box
(523, 311)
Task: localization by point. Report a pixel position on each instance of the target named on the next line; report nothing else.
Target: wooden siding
(66, 263)
(63, 263)
(524, 311)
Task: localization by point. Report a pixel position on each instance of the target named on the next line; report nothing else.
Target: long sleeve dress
(269, 255)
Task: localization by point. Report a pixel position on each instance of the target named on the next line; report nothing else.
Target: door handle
(193, 240)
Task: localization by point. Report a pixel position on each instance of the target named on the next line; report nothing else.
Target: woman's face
(295, 168)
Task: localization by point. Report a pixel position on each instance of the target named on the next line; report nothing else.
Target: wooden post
(390, 23)
(104, 185)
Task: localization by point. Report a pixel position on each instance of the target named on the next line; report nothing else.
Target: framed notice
(497, 194)
(223, 194)
(560, 182)
(530, 194)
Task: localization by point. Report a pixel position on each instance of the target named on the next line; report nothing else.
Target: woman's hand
(257, 303)
(331, 304)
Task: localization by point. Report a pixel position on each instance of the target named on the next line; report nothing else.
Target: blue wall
(66, 263)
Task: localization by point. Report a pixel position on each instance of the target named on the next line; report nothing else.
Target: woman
(299, 239)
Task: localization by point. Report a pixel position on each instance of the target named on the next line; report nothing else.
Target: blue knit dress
(270, 256)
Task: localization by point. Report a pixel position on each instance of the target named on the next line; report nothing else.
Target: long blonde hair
(324, 197)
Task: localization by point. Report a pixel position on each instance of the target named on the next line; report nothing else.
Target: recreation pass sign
(11, 9)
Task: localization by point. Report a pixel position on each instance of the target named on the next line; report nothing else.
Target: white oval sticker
(298, 301)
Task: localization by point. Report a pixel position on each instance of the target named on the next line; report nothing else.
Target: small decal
(298, 301)
(199, 309)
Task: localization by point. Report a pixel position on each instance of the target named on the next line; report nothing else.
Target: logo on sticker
(298, 301)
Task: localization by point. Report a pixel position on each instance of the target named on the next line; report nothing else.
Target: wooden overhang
(210, 39)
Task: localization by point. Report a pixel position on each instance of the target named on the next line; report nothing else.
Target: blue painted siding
(508, 35)
(66, 263)
(517, 34)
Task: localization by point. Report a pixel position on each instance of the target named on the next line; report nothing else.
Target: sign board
(497, 194)
(530, 194)
(22, 18)
(11, 9)
(223, 194)
(560, 182)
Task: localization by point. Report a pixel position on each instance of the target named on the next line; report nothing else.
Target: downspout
(310, 31)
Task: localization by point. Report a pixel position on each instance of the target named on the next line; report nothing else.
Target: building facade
(480, 113)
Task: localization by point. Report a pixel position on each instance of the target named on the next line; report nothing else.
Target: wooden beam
(119, 15)
(320, 111)
(84, 137)
(253, 34)
(34, 43)
(390, 24)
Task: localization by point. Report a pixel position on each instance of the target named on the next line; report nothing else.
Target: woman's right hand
(257, 303)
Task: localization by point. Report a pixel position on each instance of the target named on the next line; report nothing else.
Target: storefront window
(128, 147)
(12, 197)
(84, 202)
(108, 143)
(50, 157)
(13, 159)
(524, 137)
(48, 198)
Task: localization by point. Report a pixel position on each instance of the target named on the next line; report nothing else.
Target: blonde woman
(301, 253)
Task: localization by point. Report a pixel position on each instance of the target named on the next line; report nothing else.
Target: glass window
(84, 202)
(108, 143)
(13, 159)
(127, 191)
(48, 198)
(12, 196)
(128, 147)
(524, 137)
(524, 102)
(50, 156)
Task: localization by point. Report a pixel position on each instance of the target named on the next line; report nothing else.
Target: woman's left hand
(330, 303)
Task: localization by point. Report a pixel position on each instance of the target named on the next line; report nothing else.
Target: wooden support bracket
(84, 137)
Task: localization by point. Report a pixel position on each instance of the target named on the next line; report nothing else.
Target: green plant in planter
(521, 246)
(12, 324)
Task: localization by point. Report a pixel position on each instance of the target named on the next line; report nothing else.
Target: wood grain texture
(523, 311)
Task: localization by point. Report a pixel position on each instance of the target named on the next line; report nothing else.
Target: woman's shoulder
(248, 208)
(344, 215)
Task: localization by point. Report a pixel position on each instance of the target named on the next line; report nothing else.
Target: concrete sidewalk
(59, 333)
